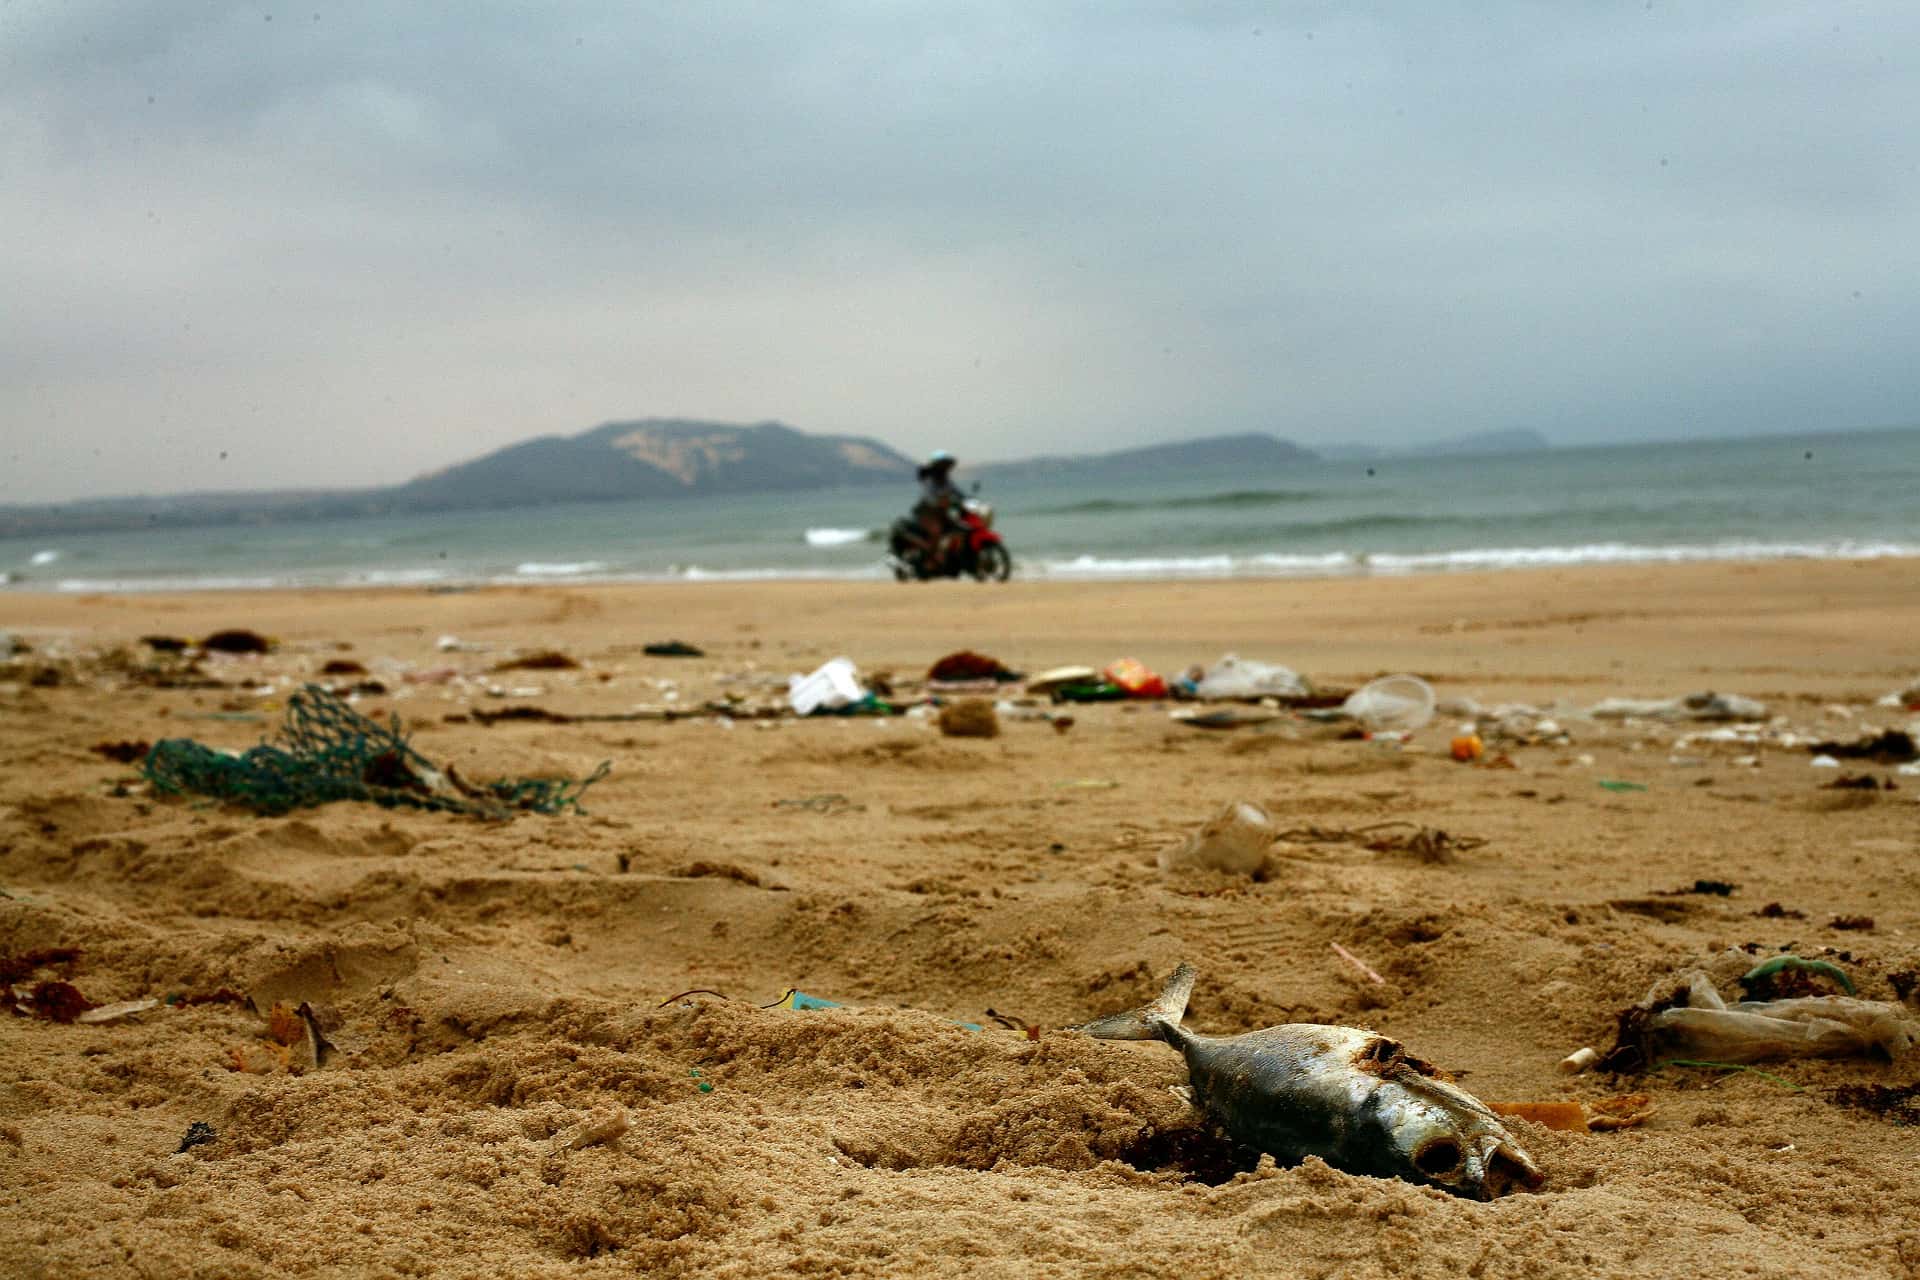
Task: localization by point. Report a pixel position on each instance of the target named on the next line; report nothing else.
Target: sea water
(1818, 496)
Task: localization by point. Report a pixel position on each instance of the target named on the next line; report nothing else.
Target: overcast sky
(253, 245)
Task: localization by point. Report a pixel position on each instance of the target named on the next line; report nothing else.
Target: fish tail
(1158, 1020)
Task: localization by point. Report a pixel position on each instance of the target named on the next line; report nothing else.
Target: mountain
(642, 458)
(655, 458)
(1251, 451)
(645, 458)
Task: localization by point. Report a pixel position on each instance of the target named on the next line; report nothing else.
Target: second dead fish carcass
(1352, 1097)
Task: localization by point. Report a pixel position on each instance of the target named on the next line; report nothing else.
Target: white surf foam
(1627, 553)
(834, 537)
(559, 569)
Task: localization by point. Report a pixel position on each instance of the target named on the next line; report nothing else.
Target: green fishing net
(327, 751)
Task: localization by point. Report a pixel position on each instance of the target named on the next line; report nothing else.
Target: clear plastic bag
(1236, 677)
(1708, 1028)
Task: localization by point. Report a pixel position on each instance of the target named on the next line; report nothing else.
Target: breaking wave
(1057, 567)
(837, 537)
(559, 569)
(1337, 563)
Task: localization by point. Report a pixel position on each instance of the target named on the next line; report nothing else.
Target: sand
(498, 995)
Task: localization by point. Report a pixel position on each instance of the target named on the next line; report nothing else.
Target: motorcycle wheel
(994, 563)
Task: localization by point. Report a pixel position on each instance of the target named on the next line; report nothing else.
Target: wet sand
(493, 991)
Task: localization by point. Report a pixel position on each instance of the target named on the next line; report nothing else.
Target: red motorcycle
(971, 548)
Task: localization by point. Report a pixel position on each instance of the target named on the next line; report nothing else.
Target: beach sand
(494, 991)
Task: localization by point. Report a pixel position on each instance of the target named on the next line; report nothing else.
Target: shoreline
(1832, 620)
(1085, 568)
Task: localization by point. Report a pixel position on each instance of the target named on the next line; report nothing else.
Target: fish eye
(1437, 1158)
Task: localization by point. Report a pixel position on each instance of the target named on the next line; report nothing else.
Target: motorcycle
(971, 548)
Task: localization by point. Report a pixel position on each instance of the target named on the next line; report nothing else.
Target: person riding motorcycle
(934, 512)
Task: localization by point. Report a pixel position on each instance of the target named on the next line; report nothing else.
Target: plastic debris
(1685, 1017)
(1134, 679)
(1562, 1117)
(1694, 706)
(672, 649)
(1597, 1116)
(117, 1011)
(1059, 677)
(1392, 704)
(1358, 965)
(1788, 975)
(1235, 840)
(1907, 698)
(833, 685)
(1234, 678)
(326, 751)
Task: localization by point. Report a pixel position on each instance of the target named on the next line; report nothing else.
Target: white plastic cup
(1399, 704)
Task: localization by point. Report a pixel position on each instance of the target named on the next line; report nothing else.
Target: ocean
(1817, 496)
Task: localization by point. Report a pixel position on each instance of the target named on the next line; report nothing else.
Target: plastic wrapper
(1708, 1028)
(1235, 677)
(1695, 706)
(1132, 675)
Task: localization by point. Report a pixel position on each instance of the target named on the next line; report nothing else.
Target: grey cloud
(351, 248)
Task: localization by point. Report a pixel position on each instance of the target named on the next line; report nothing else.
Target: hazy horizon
(255, 248)
(1407, 452)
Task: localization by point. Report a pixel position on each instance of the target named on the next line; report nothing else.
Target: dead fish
(1354, 1098)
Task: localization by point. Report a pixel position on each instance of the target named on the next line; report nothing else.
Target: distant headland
(666, 458)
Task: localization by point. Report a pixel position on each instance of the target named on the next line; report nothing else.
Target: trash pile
(326, 751)
(1794, 1007)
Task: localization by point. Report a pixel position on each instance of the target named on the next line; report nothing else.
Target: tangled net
(327, 751)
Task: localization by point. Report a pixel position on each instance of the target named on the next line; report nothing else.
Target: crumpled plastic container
(1708, 1028)
(834, 685)
(1235, 840)
(1236, 677)
(1392, 704)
